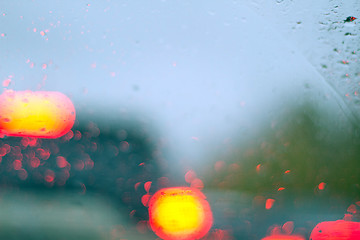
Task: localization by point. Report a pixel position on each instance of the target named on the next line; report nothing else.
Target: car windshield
(179, 119)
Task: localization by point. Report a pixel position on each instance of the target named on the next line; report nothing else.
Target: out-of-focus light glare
(258, 168)
(284, 237)
(269, 203)
(6, 82)
(61, 162)
(147, 186)
(340, 229)
(322, 186)
(180, 213)
(190, 176)
(35, 114)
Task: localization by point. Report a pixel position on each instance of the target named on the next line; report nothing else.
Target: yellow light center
(179, 214)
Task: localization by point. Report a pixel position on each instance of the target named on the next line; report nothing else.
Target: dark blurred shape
(350, 19)
(297, 152)
(103, 157)
(45, 214)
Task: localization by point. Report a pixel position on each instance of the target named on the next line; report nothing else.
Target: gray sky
(198, 69)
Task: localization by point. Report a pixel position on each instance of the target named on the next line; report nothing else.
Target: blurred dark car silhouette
(87, 184)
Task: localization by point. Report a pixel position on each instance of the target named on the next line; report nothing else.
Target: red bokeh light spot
(7, 148)
(69, 135)
(49, 176)
(269, 203)
(284, 237)
(89, 164)
(32, 141)
(197, 183)
(147, 186)
(145, 199)
(22, 174)
(352, 209)
(180, 213)
(288, 227)
(17, 164)
(190, 176)
(79, 165)
(322, 186)
(34, 162)
(124, 146)
(6, 82)
(136, 186)
(339, 229)
(44, 154)
(258, 168)
(2, 151)
(132, 213)
(61, 162)
(77, 135)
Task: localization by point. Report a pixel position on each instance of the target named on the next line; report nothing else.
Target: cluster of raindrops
(340, 66)
(110, 159)
(293, 165)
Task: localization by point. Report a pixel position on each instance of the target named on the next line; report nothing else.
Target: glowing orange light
(180, 213)
(35, 114)
(340, 229)
(258, 167)
(284, 237)
(322, 186)
(269, 203)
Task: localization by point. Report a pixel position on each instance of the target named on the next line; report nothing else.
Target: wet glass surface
(255, 104)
